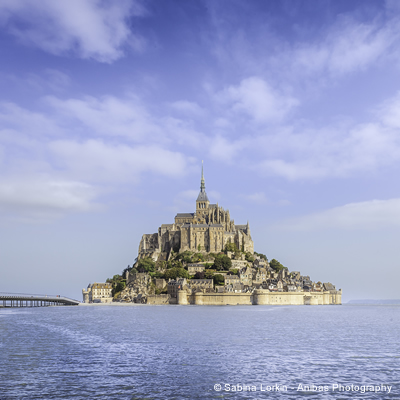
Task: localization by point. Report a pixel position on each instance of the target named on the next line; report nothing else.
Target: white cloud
(257, 99)
(97, 161)
(354, 42)
(339, 151)
(226, 149)
(368, 215)
(108, 116)
(127, 118)
(44, 198)
(388, 112)
(349, 46)
(26, 122)
(88, 28)
(181, 132)
(80, 146)
(223, 123)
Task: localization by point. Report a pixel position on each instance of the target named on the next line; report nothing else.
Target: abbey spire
(202, 201)
(202, 183)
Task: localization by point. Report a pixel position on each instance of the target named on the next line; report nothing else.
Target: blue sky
(107, 109)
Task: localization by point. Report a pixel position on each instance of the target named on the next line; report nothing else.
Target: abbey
(208, 229)
(204, 258)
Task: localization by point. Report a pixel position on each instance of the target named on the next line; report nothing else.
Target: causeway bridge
(34, 300)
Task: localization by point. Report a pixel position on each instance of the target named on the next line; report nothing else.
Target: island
(204, 258)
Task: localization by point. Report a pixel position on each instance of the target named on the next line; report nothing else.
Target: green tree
(127, 269)
(157, 275)
(209, 256)
(186, 256)
(209, 274)
(234, 271)
(276, 265)
(176, 272)
(119, 287)
(231, 247)
(219, 279)
(263, 256)
(198, 257)
(222, 262)
(146, 265)
(160, 265)
(249, 257)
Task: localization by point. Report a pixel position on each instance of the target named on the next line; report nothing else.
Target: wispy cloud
(256, 98)
(80, 145)
(107, 116)
(226, 149)
(352, 41)
(388, 112)
(88, 29)
(97, 161)
(40, 198)
(348, 46)
(368, 215)
(301, 149)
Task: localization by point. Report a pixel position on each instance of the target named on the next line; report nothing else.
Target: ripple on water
(181, 352)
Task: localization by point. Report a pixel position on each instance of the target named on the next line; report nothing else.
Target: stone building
(201, 284)
(97, 293)
(259, 275)
(176, 285)
(208, 229)
(231, 279)
(193, 268)
(246, 276)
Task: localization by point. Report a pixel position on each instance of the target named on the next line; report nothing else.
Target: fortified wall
(259, 297)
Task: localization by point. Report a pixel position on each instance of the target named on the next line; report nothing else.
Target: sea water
(200, 352)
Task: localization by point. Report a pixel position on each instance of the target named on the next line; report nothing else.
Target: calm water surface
(185, 352)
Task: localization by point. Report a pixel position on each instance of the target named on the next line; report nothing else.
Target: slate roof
(329, 286)
(184, 215)
(202, 196)
(101, 285)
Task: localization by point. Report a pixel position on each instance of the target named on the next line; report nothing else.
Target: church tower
(202, 201)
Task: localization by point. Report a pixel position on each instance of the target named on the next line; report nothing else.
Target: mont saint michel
(205, 258)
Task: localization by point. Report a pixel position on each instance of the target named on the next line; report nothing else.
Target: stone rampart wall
(158, 299)
(220, 299)
(260, 297)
